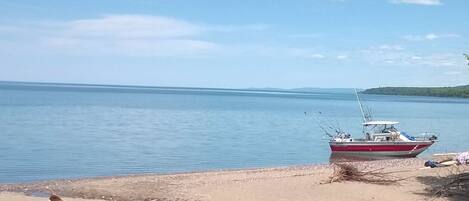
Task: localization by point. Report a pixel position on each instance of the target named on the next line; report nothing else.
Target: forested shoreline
(458, 91)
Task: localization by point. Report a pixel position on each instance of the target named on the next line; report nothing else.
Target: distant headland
(457, 91)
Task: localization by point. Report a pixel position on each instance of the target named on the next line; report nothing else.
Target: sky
(236, 44)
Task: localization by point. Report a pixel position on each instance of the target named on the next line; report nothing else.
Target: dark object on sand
(460, 159)
(55, 198)
(433, 164)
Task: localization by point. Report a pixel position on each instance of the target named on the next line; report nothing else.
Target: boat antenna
(361, 106)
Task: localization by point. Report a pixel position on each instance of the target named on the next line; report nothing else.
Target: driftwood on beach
(454, 183)
(55, 198)
(349, 172)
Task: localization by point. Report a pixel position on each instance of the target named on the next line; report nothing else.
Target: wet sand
(8, 196)
(299, 183)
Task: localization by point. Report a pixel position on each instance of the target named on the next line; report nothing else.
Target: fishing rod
(366, 112)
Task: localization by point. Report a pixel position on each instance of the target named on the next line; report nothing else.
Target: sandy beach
(300, 183)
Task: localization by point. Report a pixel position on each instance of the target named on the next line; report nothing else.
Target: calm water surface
(70, 131)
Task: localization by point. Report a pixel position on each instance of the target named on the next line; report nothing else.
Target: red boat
(381, 139)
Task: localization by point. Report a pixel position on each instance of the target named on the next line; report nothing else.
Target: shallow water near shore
(70, 131)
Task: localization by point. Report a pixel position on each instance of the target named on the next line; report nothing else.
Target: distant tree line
(459, 91)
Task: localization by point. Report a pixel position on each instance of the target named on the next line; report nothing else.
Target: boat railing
(359, 140)
(427, 136)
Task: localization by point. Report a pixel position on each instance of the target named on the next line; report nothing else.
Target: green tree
(467, 58)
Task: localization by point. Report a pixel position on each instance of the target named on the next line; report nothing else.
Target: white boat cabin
(379, 131)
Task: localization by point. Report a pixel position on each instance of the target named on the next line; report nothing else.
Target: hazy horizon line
(168, 87)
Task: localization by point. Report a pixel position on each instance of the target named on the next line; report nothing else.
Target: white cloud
(384, 55)
(453, 73)
(390, 47)
(439, 60)
(419, 2)
(132, 26)
(317, 56)
(342, 57)
(306, 36)
(238, 28)
(286, 52)
(126, 35)
(429, 37)
(436, 60)
(131, 35)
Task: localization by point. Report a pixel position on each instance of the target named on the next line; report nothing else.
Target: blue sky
(236, 44)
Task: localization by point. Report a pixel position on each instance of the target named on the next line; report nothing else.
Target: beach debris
(55, 198)
(458, 159)
(435, 164)
(455, 184)
(445, 154)
(463, 158)
(348, 172)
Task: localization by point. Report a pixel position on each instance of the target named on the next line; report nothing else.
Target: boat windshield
(382, 128)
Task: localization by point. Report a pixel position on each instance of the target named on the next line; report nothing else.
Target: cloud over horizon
(125, 34)
(430, 36)
(161, 36)
(418, 2)
(135, 35)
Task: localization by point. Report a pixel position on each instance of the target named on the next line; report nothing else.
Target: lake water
(69, 131)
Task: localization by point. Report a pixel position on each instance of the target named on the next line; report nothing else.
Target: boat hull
(391, 149)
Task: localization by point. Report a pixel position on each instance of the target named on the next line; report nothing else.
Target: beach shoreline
(302, 182)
